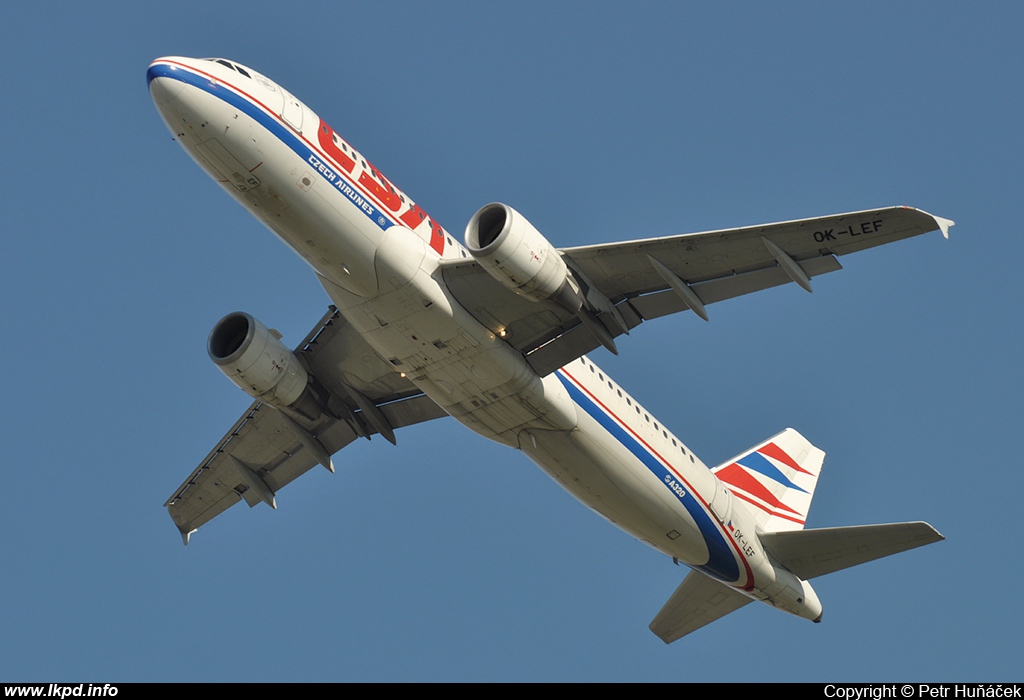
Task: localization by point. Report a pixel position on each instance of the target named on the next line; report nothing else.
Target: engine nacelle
(517, 255)
(257, 361)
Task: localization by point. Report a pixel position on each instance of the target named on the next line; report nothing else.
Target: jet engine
(255, 359)
(517, 255)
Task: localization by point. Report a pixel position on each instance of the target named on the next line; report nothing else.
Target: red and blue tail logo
(776, 479)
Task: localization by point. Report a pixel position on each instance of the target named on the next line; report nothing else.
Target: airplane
(495, 332)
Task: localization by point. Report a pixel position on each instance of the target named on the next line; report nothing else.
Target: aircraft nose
(161, 79)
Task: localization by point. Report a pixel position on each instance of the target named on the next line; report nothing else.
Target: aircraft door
(292, 111)
(721, 504)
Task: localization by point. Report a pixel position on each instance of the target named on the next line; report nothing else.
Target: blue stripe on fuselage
(279, 130)
(721, 562)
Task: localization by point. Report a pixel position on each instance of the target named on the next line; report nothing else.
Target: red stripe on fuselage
(436, 236)
(704, 504)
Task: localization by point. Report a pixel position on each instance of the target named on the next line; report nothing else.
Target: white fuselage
(378, 254)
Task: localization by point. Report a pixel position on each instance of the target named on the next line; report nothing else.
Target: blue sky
(447, 557)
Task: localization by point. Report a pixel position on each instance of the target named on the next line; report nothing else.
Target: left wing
(630, 282)
(268, 448)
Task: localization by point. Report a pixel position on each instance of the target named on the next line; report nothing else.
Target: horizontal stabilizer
(699, 600)
(812, 553)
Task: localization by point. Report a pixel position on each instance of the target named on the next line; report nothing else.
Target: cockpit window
(232, 66)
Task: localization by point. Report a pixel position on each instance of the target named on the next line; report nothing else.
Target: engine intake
(517, 255)
(256, 360)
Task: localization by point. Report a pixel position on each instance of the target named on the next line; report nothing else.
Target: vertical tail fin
(776, 478)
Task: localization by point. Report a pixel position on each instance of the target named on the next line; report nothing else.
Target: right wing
(645, 279)
(267, 448)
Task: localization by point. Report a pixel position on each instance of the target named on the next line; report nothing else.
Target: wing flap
(262, 442)
(622, 269)
(663, 303)
(576, 342)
